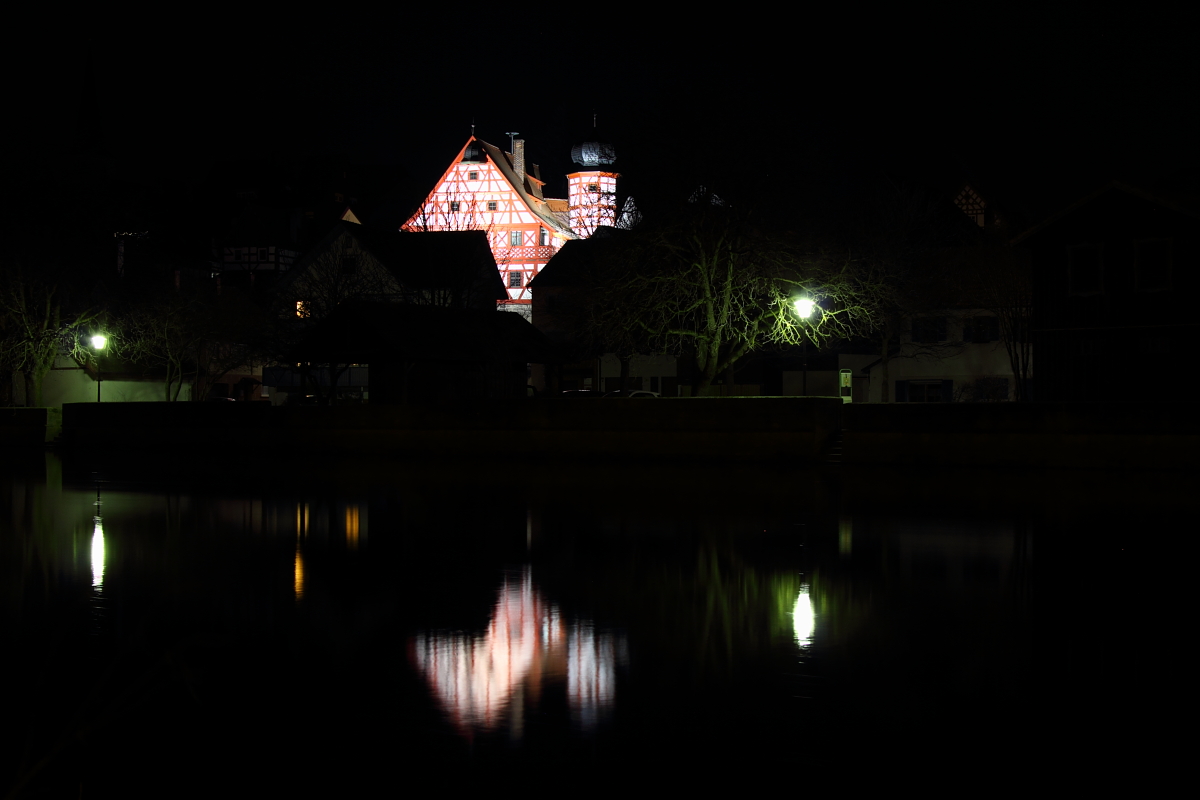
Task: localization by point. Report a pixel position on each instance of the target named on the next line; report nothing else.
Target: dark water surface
(350, 628)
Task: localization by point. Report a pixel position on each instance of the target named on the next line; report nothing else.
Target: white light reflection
(479, 680)
(97, 554)
(804, 618)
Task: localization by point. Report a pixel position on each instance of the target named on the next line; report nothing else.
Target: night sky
(1041, 106)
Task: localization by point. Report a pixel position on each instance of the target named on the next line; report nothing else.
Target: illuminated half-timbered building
(488, 189)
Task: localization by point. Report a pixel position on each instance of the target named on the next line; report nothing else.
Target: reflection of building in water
(479, 679)
(976, 556)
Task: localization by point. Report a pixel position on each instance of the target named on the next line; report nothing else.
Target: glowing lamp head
(804, 307)
(98, 341)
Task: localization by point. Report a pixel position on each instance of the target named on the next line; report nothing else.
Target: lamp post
(98, 343)
(804, 309)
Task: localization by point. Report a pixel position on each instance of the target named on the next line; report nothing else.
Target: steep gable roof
(368, 332)
(425, 260)
(524, 187)
(1188, 206)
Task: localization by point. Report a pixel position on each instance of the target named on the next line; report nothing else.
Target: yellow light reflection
(804, 618)
(352, 527)
(98, 554)
(298, 574)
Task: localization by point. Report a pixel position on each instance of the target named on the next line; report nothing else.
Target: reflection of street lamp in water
(98, 343)
(97, 546)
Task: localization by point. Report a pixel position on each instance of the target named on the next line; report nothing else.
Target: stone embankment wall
(735, 428)
(1093, 435)
(1099, 435)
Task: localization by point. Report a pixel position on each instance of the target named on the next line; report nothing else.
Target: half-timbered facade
(497, 192)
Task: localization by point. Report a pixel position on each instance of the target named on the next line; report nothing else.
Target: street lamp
(98, 343)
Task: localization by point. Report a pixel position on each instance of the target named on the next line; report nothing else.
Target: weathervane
(512, 140)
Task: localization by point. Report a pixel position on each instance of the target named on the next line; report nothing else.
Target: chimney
(519, 160)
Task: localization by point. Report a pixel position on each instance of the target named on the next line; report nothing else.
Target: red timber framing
(481, 190)
(591, 201)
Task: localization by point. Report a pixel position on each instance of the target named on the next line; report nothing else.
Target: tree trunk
(33, 389)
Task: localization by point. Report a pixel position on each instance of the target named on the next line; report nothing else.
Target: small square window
(472, 176)
(454, 205)
(514, 238)
(514, 280)
(491, 205)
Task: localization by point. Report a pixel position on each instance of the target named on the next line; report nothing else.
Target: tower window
(592, 187)
(514, 280)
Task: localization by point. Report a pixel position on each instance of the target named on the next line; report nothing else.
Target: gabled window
(1085, 269)
(472, 176)
(491, 205)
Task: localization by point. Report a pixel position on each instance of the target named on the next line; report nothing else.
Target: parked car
(634, 393)
(578, 394)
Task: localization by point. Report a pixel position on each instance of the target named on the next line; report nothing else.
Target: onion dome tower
(592, 189)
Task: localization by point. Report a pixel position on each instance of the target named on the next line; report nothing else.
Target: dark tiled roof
(365, 332)
(578, 261)
(533, 200)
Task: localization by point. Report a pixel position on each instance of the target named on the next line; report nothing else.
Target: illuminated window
(454, 205)
(491, 205)
(514, 280)
(514, 238)
(302, 308)
(472, 176)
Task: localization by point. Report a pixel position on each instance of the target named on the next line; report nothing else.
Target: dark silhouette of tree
(706, 281)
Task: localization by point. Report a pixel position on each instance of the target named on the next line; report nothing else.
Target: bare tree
(35, 328)
(1001, 277)
(710, 284)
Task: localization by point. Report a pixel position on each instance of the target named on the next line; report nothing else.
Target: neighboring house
(947, 357)
(451, 268)
(353, 264)
(427, 352)
(487, 189)
(559, 311)
(1115, 281)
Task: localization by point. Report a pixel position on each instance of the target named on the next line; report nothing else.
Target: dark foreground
(352, 628)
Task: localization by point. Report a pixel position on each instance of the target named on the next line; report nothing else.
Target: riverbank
(753, 429)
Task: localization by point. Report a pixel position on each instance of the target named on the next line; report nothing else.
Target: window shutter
(947, 391)
(901, 392)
